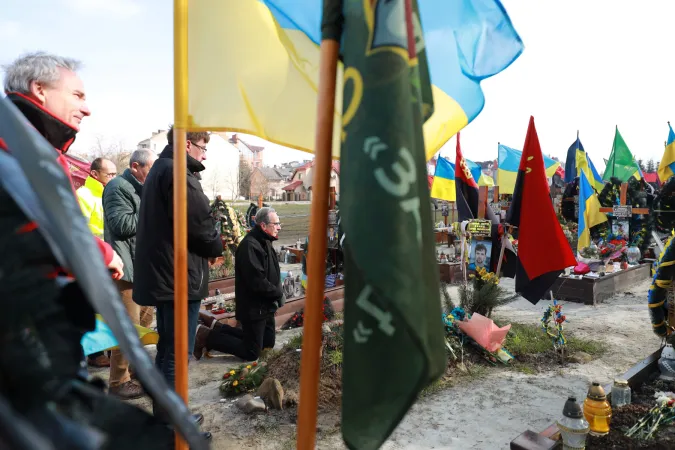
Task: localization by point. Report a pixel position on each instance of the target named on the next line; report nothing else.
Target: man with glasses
(154, 263)
(90, 197)
(258, 295)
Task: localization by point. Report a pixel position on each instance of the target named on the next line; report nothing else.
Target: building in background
(269, 181)
(300, 186)
(155, 143)
(248, 154)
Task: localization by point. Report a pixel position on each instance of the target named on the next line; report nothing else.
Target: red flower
(254, 364)
(226, 376)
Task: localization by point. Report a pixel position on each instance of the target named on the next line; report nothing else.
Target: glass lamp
(573, 426)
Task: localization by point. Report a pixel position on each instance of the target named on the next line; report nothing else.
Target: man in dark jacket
(154, 264)
(258, 294)
(121, 206)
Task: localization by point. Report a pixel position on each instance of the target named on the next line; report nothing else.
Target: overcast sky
(588, 66)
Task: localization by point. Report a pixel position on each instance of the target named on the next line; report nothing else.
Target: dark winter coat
(121, 206)
(257, 277)
(154, 263)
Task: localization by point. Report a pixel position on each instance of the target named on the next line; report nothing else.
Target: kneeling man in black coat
(258, 294)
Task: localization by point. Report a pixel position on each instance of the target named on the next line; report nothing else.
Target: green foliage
(526, 339)
(245, 378)
(483, 294)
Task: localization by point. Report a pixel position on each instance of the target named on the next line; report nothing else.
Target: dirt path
(485, 413)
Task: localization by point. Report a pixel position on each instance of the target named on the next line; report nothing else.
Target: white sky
(587, 65)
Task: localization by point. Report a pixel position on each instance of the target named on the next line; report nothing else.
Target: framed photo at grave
(621, 228)
(479, 254)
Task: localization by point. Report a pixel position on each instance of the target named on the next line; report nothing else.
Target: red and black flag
(543, 251)
(465, 187)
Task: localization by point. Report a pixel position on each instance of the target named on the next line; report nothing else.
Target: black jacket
(257, 277)
(154, 264)
(121, 206)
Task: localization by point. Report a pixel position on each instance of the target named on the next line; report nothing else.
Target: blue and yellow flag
(667, 166)
(253, 66)
(508, 164)
(584, 164)
(443, 186)
(589, 211)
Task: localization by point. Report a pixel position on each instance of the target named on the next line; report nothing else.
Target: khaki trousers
(139, 315)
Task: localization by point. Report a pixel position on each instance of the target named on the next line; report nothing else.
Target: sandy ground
(485, 413)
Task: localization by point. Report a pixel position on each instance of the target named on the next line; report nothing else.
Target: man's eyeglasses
(276, 224)
(199, 147)
(108, 175)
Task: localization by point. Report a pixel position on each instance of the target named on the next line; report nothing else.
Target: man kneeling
(258, 294)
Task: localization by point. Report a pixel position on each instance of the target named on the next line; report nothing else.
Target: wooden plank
(636, 211)
(591, 291)
(530, 440)
(624, 193)
(482, 201)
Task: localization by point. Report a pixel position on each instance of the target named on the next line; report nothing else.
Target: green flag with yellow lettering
(393, 330)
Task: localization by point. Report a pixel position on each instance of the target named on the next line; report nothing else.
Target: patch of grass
(527, 339)
(453, 375)
(335, 357)
(295, 342)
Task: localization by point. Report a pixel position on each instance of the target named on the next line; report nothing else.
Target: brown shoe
(127, 391)
(99, 361)
(200, 341)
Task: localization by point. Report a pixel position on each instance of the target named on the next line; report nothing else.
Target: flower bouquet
(245, 378)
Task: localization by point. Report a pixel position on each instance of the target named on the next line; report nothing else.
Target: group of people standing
(131, 216)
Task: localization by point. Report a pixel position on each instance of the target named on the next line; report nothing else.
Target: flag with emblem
(393, 333)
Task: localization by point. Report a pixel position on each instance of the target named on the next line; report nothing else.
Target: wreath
(664, 203)
(664, 270)
(641, 226)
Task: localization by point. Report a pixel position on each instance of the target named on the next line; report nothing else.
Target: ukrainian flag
(508, 164)
(443, 186)
(667, 166)
(253, 66)
(584, 164)
(589, 211)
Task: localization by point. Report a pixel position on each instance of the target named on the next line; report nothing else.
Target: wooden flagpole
(180, 203)
(311, 342)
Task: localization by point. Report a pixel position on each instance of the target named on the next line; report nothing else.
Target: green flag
(621, 163)
(393, 331)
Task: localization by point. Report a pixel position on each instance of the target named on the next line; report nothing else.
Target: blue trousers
(165, 360)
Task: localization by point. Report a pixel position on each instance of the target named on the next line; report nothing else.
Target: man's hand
(116, 267)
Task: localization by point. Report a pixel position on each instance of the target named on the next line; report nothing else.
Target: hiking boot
(198, 418)
(99, 361)
(200, 341)
(127, 391)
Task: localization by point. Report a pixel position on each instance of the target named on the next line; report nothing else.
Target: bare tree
(214, 180)
(112, 149)
(244, 180)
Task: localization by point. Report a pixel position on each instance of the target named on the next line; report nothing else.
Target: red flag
(465, 188)
(543, 250)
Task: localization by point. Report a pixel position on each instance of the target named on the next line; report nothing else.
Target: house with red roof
(300, 187)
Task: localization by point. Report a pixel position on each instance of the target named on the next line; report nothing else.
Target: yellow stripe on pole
(180, 202)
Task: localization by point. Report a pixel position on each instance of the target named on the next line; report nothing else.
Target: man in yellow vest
(90, 197)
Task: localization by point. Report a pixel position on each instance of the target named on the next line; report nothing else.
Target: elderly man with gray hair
(121, 206)
(258, 295)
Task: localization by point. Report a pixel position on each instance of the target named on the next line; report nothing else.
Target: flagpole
(180, 204)
(311, 341)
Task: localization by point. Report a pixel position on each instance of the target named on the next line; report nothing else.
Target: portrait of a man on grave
(479, 256)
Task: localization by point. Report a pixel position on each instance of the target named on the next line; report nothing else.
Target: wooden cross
(622, 202)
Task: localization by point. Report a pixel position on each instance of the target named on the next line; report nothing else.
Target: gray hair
(142, 157)
(263, 215)
(39, 66)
